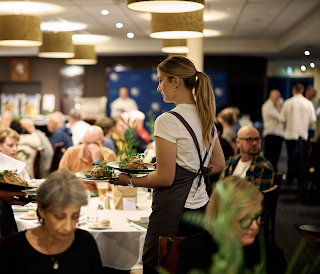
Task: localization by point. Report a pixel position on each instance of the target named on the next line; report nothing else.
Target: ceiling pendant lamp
(56, 45)
(174, 46)
(84, 55)
(20, 30)
(177, 25)
(165, 6)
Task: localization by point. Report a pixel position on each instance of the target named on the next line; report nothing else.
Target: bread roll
(104, 223)
(31, 214)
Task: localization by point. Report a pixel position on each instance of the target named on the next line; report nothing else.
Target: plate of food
(104, 224)
(30, 215)
(133, 164)
(12, 181)
(99, 173)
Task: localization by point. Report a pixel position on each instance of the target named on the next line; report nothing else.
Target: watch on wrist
(131, 184)
(96, 162)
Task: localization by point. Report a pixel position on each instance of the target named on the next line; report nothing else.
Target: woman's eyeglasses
(246, 222)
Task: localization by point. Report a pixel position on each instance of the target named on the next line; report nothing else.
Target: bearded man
(249, 164)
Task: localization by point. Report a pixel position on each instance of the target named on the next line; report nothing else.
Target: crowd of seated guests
(106, 140)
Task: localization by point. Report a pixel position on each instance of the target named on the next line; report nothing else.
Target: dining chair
(169, 253)
(56, 156)
(37, 164)
(270, 202)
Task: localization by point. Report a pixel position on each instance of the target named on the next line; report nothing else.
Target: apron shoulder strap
(202, 170)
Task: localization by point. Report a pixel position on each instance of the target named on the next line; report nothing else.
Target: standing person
(272, 129)
(179, 178)
(310, 94)
(297, 114)
(28, 124)
(123, 104)
(78, 127)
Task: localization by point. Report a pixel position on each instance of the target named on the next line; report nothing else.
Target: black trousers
(291, 145)
(272, 149)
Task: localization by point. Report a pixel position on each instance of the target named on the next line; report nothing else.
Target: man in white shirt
(272, 129)
(123, 104)
(249, 164)
(77, 126)
(297, 114)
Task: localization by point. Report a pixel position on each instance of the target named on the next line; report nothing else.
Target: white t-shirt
(121, 105)
(169, 127)
(241, 168)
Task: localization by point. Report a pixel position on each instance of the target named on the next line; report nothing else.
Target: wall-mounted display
(30, 104)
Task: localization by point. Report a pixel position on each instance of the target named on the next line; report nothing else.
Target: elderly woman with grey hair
(55, 246)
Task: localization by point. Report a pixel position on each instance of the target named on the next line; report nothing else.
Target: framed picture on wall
(19, 71)
(10, 102)
(30, 104)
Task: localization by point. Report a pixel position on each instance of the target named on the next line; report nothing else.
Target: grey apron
(168, 204)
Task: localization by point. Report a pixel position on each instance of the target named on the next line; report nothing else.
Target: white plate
(99, 227)
(28, 218)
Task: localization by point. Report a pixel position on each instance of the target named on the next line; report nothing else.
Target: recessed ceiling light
(104, 12)
(65, 26)
(303, 68)
(89, 38)
(29, 7)
(130, 35)
(312, 65)
(211, 33)
(119, 25)
(307, 52)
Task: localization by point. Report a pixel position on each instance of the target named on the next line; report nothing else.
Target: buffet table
(120, 245)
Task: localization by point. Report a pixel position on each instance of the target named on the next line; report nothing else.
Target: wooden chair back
(56, 156)
(37, 164)
(270, 202)
(170, 263)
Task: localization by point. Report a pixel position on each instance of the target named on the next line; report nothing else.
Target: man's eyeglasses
(246, 222)
(250, 140)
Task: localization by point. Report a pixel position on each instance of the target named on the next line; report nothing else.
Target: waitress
(186, 149)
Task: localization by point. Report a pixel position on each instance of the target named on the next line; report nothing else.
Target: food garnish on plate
(133, 161)
(101, 171)
(12, 178)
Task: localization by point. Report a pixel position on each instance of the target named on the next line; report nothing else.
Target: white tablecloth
(120, 246)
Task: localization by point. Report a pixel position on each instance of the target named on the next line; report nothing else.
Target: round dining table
(120, 245)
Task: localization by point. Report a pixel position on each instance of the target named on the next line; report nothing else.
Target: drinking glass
(102, 189)
(92, 215)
